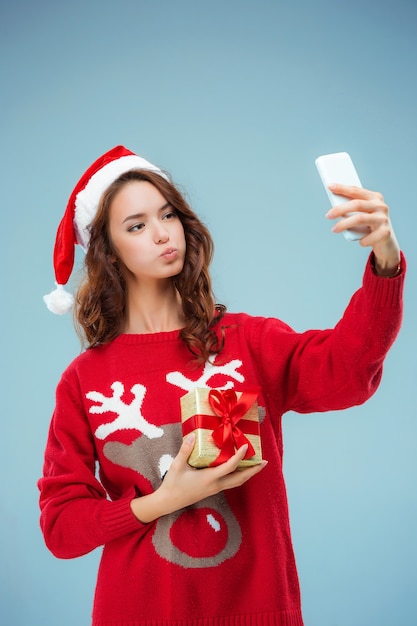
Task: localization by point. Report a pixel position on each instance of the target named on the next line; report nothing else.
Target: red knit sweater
(228, 560)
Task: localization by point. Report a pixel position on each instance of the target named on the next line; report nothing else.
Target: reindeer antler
(210, 370)
(129, 415)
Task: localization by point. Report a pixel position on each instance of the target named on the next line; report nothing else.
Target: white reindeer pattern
(129, 415)
(151, 455)
(210, 370)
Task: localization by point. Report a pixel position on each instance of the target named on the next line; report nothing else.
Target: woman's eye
(135, 228)
(170, 215)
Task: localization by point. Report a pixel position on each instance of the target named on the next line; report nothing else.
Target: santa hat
(81, 209)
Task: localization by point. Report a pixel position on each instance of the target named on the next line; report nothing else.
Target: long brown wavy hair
(100, 303)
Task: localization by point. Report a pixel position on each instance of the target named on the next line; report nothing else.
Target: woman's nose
(161, 234)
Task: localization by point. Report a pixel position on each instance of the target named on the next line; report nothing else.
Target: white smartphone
(339, 168)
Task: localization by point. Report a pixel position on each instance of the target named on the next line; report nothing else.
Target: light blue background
(235, 99)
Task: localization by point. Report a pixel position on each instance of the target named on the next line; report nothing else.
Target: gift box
(222, 420)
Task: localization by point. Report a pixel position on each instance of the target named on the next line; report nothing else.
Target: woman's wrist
(147, 508)
(389, 270)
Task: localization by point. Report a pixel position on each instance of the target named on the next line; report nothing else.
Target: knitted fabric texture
(228, 560)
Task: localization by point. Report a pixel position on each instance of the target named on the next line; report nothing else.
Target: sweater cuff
(386, 291)
(118, 519)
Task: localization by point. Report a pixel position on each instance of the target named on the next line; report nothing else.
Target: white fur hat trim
(87, 200)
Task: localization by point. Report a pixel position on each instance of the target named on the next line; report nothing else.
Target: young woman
(183, 546)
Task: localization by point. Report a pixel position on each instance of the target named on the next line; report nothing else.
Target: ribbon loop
(228, 436)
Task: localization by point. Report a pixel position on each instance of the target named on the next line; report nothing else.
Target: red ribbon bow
(227, 435)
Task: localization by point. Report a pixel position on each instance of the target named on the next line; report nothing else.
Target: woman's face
(146, 232)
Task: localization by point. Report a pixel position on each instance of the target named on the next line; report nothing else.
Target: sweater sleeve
(323, 370)
(76, 514)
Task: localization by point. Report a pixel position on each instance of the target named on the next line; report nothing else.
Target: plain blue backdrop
(236, 99)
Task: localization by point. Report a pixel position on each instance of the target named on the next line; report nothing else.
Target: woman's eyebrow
(137, 216)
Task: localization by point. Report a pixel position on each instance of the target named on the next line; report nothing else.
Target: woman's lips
(170, 254)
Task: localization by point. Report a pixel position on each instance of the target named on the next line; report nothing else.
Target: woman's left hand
(368, 208)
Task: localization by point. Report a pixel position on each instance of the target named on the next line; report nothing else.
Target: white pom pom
(59, 301)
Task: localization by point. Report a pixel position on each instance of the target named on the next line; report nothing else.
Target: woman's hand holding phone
(363, 214)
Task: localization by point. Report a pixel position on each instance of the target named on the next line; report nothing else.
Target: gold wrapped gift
(223, 420)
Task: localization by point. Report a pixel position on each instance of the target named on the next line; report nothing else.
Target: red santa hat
(81, 209)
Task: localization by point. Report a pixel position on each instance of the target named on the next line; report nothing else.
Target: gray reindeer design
(152, 458)
(151, 455)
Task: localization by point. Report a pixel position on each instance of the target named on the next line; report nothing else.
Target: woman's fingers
(350, 191)
(228, 475)
(368, 211)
